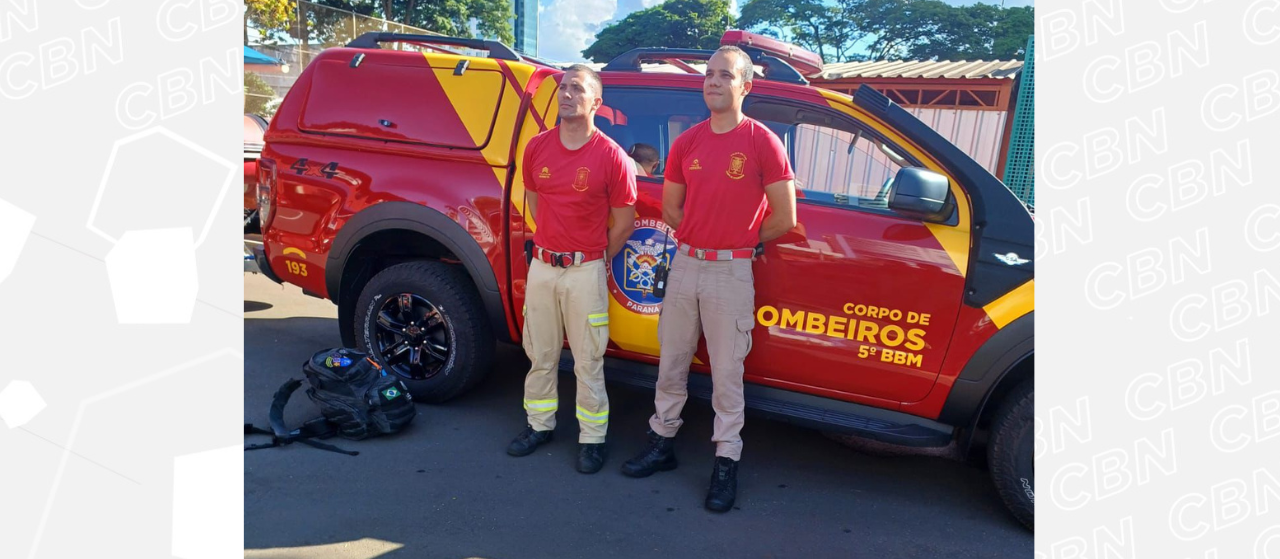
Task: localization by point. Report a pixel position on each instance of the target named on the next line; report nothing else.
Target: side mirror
(922, 194)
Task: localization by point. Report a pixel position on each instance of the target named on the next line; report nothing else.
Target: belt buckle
(700, 254)
(565, 259)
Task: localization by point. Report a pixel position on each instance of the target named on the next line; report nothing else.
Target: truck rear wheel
(1011, 455)
(423, 321)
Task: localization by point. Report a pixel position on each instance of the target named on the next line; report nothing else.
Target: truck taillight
(266, 182)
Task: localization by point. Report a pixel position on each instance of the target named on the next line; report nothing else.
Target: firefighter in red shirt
(576, 179)
(728, 187)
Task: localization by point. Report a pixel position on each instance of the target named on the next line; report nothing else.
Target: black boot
(591, 457)
(527, 441)
(659, 457)
(724, 485)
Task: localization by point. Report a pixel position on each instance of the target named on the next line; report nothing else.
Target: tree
(257, 94)
(980, 31)
(452, 17)
(694, 24)
(930, 29)
(1010, 33)
(811, 24)
(332, 22)
(268, 17)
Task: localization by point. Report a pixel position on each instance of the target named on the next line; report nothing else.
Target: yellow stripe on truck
(635, 332)
(474, 100)
(541, 104)
(1012, 305)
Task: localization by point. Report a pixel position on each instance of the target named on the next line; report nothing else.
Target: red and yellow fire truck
(899, 309)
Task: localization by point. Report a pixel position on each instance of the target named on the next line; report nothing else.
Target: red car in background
(254, 129)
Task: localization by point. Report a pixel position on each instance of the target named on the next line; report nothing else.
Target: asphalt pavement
(445, 487)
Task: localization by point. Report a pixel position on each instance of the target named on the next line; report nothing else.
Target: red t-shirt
(575, 190)
(724, 177)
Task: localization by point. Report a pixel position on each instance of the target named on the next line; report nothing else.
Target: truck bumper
(255, 260)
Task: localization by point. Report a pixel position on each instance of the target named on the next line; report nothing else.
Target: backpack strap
(277, 407)
(281, 435)
(250, 429)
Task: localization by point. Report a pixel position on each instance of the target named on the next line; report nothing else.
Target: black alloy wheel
(413, 338)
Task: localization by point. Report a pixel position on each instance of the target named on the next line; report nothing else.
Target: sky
(566, 27)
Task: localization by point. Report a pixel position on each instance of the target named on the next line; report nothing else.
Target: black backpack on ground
(357, 398)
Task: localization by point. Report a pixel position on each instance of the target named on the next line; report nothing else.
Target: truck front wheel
(423, 321)
(1011, 455)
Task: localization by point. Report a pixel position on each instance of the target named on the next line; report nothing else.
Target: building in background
(969, 103)
(526, 26)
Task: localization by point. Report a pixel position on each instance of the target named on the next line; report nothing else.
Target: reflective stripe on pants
(575, 301)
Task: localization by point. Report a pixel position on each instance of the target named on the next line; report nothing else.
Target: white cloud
(566, 27)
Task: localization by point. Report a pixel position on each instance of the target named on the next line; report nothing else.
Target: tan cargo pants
(573, 300)
(717, 299)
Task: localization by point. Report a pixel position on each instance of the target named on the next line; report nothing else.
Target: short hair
(590, 72)
(643, 153)
(745, 68)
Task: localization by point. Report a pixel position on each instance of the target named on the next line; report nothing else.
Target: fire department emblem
(631, 273)
(737, 162)
(696, 166)
(580, 179)
(545, 174)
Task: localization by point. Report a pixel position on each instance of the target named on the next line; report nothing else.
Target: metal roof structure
(927, 69)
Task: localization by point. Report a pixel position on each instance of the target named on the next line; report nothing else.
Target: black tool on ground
(528, 252)
(357, 398)
(660, 273)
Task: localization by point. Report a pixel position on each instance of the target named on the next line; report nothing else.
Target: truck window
(649, 116)
(844, 165)
(836, 161)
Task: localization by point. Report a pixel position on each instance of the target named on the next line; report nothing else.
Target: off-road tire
(450, 289)
(1012, 451)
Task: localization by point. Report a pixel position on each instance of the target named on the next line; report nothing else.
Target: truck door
(857, 300)
(540, 114)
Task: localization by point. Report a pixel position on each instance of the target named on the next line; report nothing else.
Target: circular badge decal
(631, 270)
